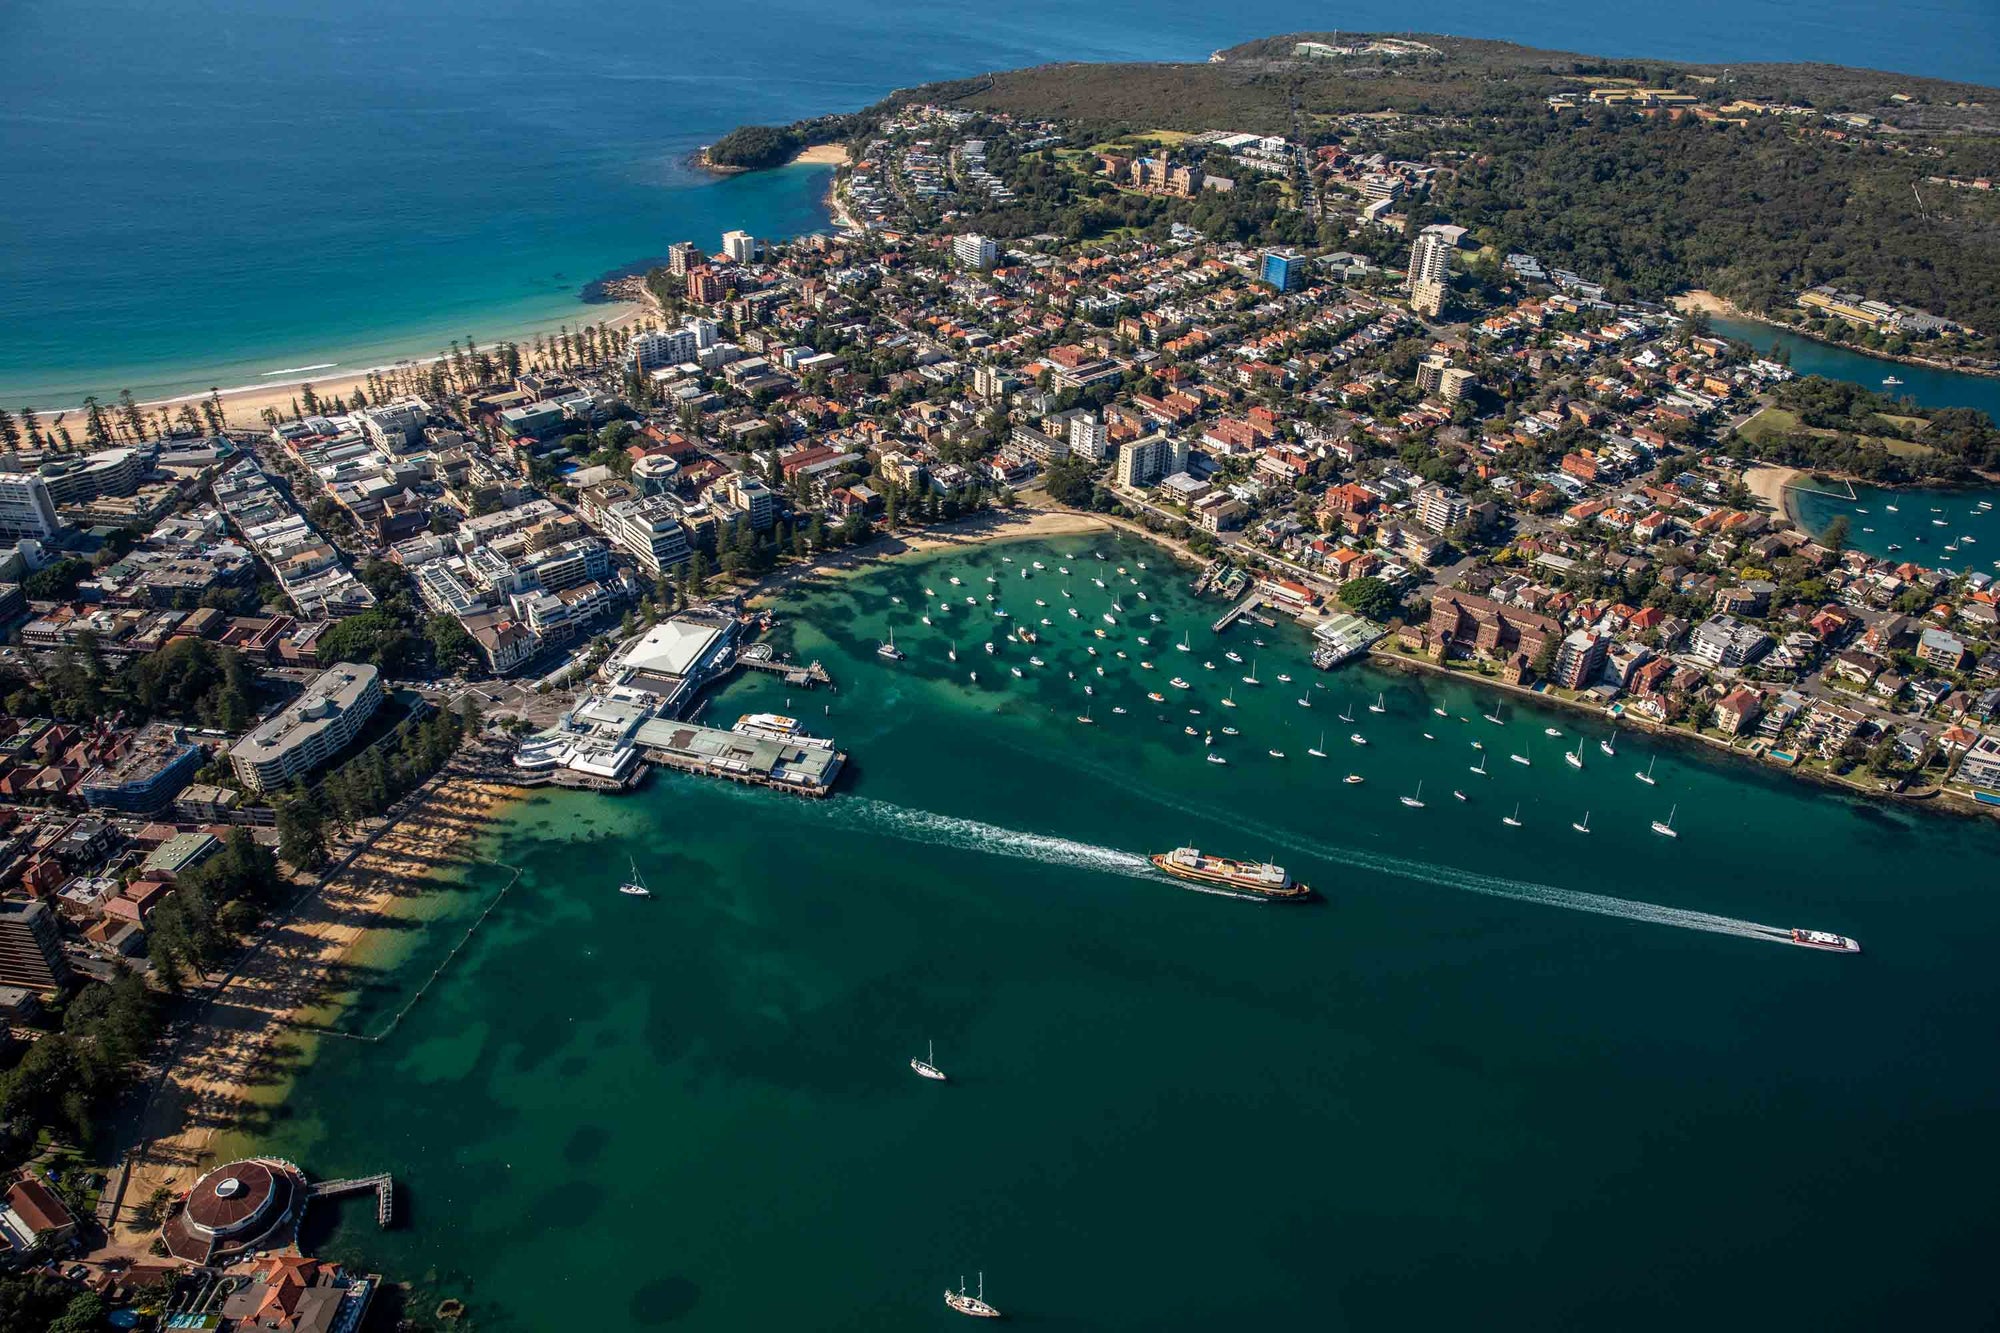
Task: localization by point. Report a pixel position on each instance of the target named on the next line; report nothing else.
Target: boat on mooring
(928, 1065)
(974, 1306)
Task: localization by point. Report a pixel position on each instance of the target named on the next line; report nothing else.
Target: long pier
(383, 1186)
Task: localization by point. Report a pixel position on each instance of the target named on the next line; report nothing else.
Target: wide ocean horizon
(229, 192)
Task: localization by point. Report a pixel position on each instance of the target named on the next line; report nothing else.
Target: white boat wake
(970, 835)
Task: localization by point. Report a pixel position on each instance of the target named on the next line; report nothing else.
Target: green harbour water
(1458, 1090)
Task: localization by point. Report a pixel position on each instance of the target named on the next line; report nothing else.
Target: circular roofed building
(241, 1206)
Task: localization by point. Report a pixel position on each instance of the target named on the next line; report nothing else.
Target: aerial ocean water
(228, 192)
(1512, 1077)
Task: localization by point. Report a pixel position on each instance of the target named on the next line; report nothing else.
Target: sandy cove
(233, 1057)
(994, 525)
(1772, 486)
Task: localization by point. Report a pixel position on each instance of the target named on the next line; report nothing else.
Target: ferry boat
(928, 1066)
(635, 887)
(1824, 939)
(1258, 881)
(974, 1306)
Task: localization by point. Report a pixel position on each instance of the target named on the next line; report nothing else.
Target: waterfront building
(235, 1208)
(31, 954)
(703, 286)
(682, 256)
(740, 246)
(311, 730)
(1145, 461)
(974, 251)
(1478, 624)
(27, 509)
(1578, 660)
(78, 481)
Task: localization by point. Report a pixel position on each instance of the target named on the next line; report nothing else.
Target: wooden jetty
(383, 1185)
(807, 677)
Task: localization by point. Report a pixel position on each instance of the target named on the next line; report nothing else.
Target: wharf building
(254, 1204)
(310, 730)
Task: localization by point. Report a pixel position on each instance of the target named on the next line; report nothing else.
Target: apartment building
(311, 730)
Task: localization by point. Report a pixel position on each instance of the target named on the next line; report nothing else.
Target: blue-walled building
(159, 762)
(1283, 269)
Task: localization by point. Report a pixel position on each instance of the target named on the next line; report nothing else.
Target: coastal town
(249, 650)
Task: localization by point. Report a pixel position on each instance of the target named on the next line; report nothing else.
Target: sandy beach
(234, 1057)
(1771, 485)
(823, 155)
(243, 405)
(995, 525)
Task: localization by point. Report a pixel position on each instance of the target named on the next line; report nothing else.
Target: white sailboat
(1583, 827)
(1513, 820)
(635, 887)
(1575, 757)
(928, 1065)
(1251, 679)
(1666, 828)
(1377, 706)
(1609, 745)
(1647, 776)
(1319, 751)
(1481, 768)
(1183, 646)
(975, 1306)
(1415, 802)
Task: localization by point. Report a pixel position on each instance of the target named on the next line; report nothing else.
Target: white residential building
(311, 730)
(974, 251)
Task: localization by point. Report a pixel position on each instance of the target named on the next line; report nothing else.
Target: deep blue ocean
(202, 192)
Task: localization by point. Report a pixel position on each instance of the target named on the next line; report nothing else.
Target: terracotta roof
(37, 1205)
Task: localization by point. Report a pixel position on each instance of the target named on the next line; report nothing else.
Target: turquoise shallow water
(1454, 1091)
(203, 192)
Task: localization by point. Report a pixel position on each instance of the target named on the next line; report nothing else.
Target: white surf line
(300, 370)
